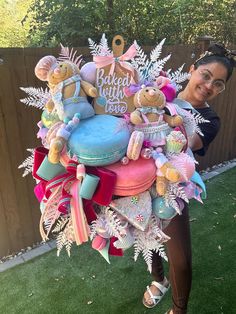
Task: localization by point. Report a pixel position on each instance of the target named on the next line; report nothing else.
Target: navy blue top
(209, 129)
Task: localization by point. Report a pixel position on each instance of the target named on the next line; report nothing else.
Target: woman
(208, 76)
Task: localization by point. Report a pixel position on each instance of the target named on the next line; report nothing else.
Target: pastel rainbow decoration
(103, 61)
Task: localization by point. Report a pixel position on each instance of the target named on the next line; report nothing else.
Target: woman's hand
(195, 142)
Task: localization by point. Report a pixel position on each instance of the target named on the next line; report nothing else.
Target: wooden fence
(19, 210)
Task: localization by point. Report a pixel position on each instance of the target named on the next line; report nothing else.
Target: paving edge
(25, 257)
(50, 245)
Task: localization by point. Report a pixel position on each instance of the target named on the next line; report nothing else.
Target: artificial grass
(85, 283)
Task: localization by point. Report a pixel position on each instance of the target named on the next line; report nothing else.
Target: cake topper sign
(110, 88)
(113, 73)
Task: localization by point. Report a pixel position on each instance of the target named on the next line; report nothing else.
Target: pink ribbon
(61, 193)
(102, 61)
(79, 221)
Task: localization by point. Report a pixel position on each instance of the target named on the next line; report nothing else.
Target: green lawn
(85, 283)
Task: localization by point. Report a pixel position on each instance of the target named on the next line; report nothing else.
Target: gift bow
(102, 61)
(62, 192)
(132, 89)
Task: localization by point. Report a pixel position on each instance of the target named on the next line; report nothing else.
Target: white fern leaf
(95, 49)
(170, 201)
(147, 255)
(109, 222)
(113, 224)
(198, 131)
(162, 253)
(138, 247)
(105, 50)
(28, 163)
(60, 224)
(61, 241)
(70, 236)
(65, 238)
(37, 98)
(51, 214)
(177, 77)
(140, 60)
(156, 52)
(93, 229)
(174, 75)
(157, 229)
(178, 87)
(178, 191)
(189, 122)
(156, 68)
(68, 246)
(199, 118)
(182, 77)
(148, 241)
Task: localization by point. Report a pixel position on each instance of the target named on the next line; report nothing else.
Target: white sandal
(156, 298)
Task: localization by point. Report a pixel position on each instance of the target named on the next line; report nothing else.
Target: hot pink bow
(102, 61)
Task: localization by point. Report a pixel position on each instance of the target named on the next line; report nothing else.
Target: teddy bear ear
(43, 67)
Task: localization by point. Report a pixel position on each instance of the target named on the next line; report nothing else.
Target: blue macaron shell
(99, 140)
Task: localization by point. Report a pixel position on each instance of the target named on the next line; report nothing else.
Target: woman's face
(207, 81)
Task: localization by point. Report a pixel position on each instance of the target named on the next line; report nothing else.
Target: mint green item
(48, 171)
(196, 178)
(88, 186)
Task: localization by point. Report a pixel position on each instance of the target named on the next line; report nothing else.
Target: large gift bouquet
(114, 166)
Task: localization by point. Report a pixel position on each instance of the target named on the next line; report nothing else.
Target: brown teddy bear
(150, 102)
(150, 118)
(69, 98)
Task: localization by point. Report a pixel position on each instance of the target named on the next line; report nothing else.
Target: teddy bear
(150, 102)
(68, 98)
(150, 120)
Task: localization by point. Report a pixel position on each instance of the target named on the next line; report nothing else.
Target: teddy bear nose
(151, 92)
(57, 71)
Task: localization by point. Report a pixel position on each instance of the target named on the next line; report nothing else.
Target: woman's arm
(195, 142)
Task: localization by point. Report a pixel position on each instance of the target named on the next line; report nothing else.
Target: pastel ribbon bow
(62, 193)
(102, 61)
(79, 221)
(134, 88)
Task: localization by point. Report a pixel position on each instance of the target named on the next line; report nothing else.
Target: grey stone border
(48, 246)
(218, 170)
(41, 249)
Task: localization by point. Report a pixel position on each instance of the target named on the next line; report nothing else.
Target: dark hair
(218, 53)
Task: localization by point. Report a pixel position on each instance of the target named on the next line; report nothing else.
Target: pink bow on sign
(102, 61)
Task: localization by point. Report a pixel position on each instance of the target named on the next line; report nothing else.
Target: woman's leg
(158, 276)
(157, 267)
(180, 260)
